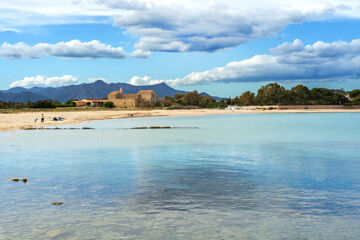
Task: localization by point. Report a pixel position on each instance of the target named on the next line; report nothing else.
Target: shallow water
(261, 176)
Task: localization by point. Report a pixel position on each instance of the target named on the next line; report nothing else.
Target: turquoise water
(259, 176)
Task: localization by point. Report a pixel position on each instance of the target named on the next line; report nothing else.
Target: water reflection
(268, 182)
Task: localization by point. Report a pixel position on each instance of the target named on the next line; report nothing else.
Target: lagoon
(245, 176)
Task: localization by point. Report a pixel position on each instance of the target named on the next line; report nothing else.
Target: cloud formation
(171, 25)
(71, 49)
(138, 53)
(213, 26)
(123, 4)
(146, 80)
(288, 61)
(43, 81)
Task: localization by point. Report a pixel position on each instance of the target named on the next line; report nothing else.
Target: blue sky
(221, 47)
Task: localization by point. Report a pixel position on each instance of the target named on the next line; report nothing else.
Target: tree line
(37, 104)
(275, 94)
(192, 99)
(270, 94)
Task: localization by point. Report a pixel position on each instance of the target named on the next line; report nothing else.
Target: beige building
(90, 103)
(142, 99)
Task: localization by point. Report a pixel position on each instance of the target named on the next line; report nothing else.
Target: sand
(13, 121)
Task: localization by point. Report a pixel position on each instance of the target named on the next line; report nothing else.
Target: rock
(30, 128)
(166, 127)
(24, 180)
(139, 128)
(87, 128)
(54, 233)
(57, 203)
(15, 179)
(154, 127)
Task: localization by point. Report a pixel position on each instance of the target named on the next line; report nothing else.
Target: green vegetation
(192, 100)
(355, 93)
(109, 104)
(275, 94)
(270, 94)
(37, 104)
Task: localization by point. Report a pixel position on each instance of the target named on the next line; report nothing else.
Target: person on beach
(42, 118)
(35, 120)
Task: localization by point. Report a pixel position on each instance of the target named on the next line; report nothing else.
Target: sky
(221, 47)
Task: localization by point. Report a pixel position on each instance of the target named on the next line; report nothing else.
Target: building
(144, 98)
(90, 103)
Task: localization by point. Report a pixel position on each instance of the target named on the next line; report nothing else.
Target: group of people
(57, 119)
(43, 118)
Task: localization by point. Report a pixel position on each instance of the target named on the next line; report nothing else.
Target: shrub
(174, 107)
(42, 104)
(109, 104)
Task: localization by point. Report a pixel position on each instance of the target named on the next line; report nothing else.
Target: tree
(168, 101)
(191, 98)
(299, 95)
(207, 102)
(42, 104)
(354, 93)
(71, 102)
(325, 96)
(356, 100)
(246, 99)
(271, 94)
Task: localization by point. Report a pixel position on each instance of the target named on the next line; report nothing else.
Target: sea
(241, 176)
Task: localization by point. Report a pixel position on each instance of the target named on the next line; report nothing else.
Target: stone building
(143, 98)
(90, 103)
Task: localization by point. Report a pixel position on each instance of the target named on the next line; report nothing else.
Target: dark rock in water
(154, 127)
(87, 128)
(24, 180)
(139, 128)
(165, 127)
(57, 203)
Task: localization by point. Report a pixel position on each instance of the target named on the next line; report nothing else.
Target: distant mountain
(19, 97)
(98, 89)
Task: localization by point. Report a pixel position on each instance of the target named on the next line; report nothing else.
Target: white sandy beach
(13, 121)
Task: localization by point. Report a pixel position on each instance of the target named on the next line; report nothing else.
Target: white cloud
(187, 25)
(215, 25)
(123, 4)
(146, 80)
(289, 61)
(9, 30)
(45, 81)
(138, 53)
(71, 49)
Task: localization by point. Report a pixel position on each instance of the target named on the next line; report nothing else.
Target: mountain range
(97, 89)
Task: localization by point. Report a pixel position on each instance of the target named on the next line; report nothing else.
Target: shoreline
(16, 121)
